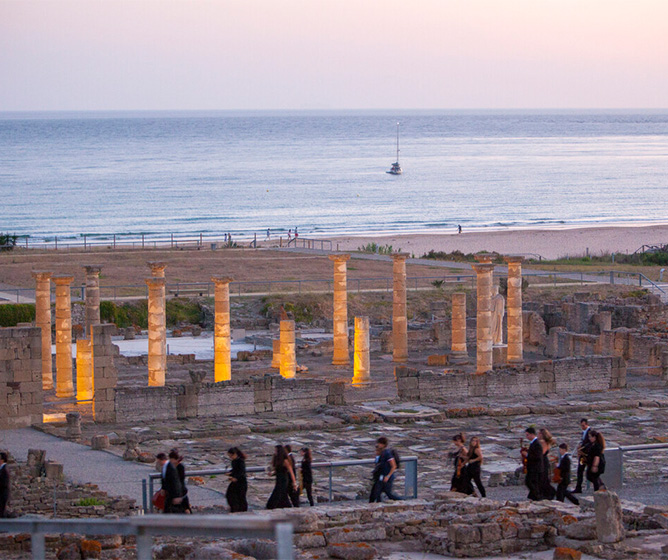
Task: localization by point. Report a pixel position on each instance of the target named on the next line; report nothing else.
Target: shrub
(13, 313)
(7, 241)
(91, 502)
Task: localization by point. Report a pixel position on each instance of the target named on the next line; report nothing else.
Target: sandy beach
(548, 243)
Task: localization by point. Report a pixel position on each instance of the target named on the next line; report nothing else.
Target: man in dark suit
(583, 448)
(171, 485)
(564, 467)
(534, 465)
(4, 484)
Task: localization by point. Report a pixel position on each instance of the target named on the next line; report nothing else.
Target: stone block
(609, 521)
(565, 553)
(100, 442)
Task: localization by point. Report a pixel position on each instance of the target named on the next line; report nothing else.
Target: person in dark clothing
(181, 470)
(383, 473)
(564, 466)
(534, 465)
(583, 449)
(293, 491)
(474, 464)
(307, 474)
(236, 491)
(281, 467)
(460, 479)
(596, 460)
(4, 484)
(546, 441)
(171, 485)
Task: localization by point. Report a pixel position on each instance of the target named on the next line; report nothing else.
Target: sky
(332, 54)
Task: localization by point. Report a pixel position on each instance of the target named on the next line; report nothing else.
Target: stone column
(458, 348)
(92, 297)
(157, 268)
(514, 309)
(84, 370)
(157, 332)
(43, 321)
(222, 348)
(361, 367)
(484, 345)
(64, 383)
(341, 356)
(288, 357)
(399, 319)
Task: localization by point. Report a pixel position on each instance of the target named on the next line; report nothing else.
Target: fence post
(283, 535)
(37, 543)
(150, 492)
(410, 480)
(612, 277)
(56, 239)
(144, 491)
(144, 544)
(639, 279)
(142, 240)
(114, 240)
(200, 239)
(84, 241)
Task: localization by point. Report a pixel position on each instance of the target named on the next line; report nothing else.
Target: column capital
(157, 267)
(41, 274)
(62, 280)
(339, 257)
(400, 256)
(155, 282)
(485, 258)
(92, 269)
(481, 268)
(514, 259)
(222, 279)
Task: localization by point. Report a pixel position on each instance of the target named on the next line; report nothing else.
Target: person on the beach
(296, 233)
(459, 229)
(268, 233)
(289, 234)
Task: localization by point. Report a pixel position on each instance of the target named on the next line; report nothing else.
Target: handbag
(158, 500)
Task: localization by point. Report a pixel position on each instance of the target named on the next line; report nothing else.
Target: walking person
(289, 234)
(285, 476)
(546, 441)
(238, 487)
(582, 450)
(268, 234)
(307, 474)
(534, 465)
(596, 460)
(459, 229)
(474, 464)
(293, 492)
(181, 470)
(460, 480)
(171, 485)
(384, 471)
(4, 484)
(564, 475)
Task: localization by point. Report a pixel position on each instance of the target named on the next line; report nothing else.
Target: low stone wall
(271, 393)
(105, 374)
(20, 377)
(565, 376)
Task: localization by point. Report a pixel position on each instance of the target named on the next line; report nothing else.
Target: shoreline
(546, 243)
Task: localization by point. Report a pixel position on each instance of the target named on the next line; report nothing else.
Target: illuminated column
(157, 332)
(341, 356)
(157, 268)
(92, 297)
(399, 319)
(221, 338)
(84, 370)
(288, 357)
(484, 351)
(276, 356)
(43, 321)
(514, 309)
(64, 384)
(458, 349)
(361, 367)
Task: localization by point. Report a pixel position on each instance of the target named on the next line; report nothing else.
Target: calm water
(69, 174)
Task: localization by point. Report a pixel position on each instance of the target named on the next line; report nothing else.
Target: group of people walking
(173, 495)
(286, 488)
(467, 465)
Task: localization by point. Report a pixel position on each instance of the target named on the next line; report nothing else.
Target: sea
(157, 173)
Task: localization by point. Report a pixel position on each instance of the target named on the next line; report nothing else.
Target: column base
(500, 354)
(399, 359)
(361, 383)
(515, 361)
(340, 362)
(65, 394)
(47, 386)
(459, 358)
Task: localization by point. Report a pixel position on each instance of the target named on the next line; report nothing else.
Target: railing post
(144, 544)
(114, 240)
(331, 495)
(612, 277)
(56, 239)
(150, 495)
(142, 240)
(144, 495)
(283, 536)
(38, 545)
(84, 242)
(639, 279)
(410, 480)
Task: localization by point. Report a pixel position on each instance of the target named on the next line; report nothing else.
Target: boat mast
(397, 142)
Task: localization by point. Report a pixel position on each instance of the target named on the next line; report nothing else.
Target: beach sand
(548, 243)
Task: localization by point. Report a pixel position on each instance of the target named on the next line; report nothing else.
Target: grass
(91, 502)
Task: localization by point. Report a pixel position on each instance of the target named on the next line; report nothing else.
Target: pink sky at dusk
(332, 54)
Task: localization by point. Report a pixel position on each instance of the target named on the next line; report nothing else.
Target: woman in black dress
(184, 506)
(546, 441)
(474, 462)
(460, 480)
(281, 467)
(236, 491)
(596, 460)
(307, 474)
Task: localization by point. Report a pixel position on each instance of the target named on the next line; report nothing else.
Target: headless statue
(498, 311)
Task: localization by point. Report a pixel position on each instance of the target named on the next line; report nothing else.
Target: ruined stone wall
(105, 374)
(20, 377)
(565, 376)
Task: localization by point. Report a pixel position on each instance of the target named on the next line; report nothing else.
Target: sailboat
(396, 168)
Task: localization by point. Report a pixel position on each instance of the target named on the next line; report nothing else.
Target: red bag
(159, 500)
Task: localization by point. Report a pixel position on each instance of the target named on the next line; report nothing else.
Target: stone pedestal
(92, 296)
(399, 318)
(221, 338)
(484, 351)
(459, 352)
(514, 310)
(84, 370)
(157, 332)
(43, 321)
(341, 356)
(361, 363)
(288, 357)
(64, 383)
(276, 356)
(73, 432)
(157, 268)
(609, 518)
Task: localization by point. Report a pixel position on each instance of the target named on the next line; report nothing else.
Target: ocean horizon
(188, 172)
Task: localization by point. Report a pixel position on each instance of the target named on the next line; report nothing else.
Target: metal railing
(614, 461)
(309, 243)
(408, 464)
(144, 528)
